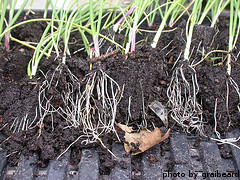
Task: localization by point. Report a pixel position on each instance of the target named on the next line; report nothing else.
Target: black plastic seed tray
(186, 159)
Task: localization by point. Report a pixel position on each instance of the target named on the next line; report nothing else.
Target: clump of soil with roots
(72, 106)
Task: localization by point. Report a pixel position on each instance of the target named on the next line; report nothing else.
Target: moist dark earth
(145, 75)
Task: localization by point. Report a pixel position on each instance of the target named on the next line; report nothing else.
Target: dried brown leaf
(142, 141)
(150, 139)
(125, 128)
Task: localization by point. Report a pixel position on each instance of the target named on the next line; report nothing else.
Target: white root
(94, 109)
(236, 87)
(229, 141)
(215, 120)
(220, 140)
(185, 109)
(91, 107)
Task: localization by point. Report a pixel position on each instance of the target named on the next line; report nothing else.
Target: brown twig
(100, 58)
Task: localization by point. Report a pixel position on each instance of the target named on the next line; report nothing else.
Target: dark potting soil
(145, 75)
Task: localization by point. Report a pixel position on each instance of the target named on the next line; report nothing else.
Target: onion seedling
(3, 9)
(209, 5)
(138, 8)
(234, 27)
(60, 28)
(12, 18)
(47, 39)
(182, 92)
(95, 27)
(12, 5)
(167, 13)
(67, 30)
(175, 13)
(120, 21)
(153, 15)
(62, 24)
(216, 9)
(192, 21)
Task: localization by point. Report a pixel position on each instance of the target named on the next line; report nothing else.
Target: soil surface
(145, 75)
